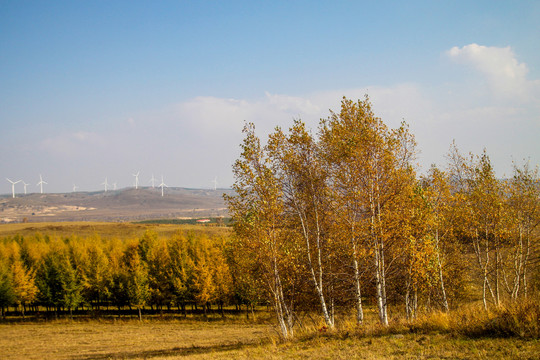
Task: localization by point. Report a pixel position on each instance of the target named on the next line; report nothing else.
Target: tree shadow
(176, 351)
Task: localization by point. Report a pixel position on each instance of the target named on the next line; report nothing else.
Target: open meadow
(106, 230)
(177, 339)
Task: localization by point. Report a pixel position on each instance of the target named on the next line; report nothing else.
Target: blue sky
(99, 89)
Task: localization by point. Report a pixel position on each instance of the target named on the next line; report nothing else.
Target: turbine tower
(153, 181)
(105, 183)
(162, 185)
(215, 183)
(136, 179)
(40, 184)
(25, 185)
(75, 187)
(13, 186)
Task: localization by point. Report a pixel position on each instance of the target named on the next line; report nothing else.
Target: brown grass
(236, 340)
(124, 339)
(435, 336)
(105, 230)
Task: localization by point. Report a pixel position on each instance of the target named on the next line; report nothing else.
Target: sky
(106, 89)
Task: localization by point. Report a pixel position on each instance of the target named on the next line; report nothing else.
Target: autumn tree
(370, 166)
(49, 281)
(136, 272)
(221, 273)
(23, 284)
(96, 274)
(7, 296)
(159, 274)
(303, 179)
(524, 210)
(203, 282)
(117, 283)
(71, 286)
(481, 206)
(438, 201)
(182, 268)
(257, 212)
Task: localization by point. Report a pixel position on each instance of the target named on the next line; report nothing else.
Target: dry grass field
(123, 339)
(177, 339)
(105, 230)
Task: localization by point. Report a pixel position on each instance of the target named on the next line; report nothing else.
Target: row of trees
(158, 272)
(334, 219)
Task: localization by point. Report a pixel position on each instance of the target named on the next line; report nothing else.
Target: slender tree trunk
(358, 290)
(284, 314)
(441, 279)
(526, 262)
(497, 273)
(408, 301)
(318, 283)
(379, 285)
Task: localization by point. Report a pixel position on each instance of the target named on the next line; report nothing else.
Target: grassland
(179, 339)
(104, 229)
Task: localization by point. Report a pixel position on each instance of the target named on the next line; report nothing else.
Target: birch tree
(303, 178)
(369, 164)
(524, 209)
(257, 212)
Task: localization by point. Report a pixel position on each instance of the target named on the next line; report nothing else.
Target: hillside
(119, 205)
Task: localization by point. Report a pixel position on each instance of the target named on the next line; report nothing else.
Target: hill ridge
(114, 205)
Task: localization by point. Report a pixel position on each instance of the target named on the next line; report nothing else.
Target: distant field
(119, 205)
(103, 229)
(236, 340)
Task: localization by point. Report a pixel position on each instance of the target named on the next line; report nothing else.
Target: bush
(519, 319)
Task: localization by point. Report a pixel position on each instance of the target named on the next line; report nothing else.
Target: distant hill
(118, 205)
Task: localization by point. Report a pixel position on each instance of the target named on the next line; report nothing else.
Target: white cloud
(504, 73)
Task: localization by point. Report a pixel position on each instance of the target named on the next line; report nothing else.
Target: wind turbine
(162, 185)
(136, 179)
(215, 183)
(13, 186)
(25, 185)
(153, 181)
(40, 184)
(75, 187)
(105, 183)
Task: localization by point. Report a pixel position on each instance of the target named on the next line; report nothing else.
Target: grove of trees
(327, 221)
(53, 274)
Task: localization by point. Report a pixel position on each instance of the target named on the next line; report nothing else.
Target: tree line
(162, 273)
(328, 221)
